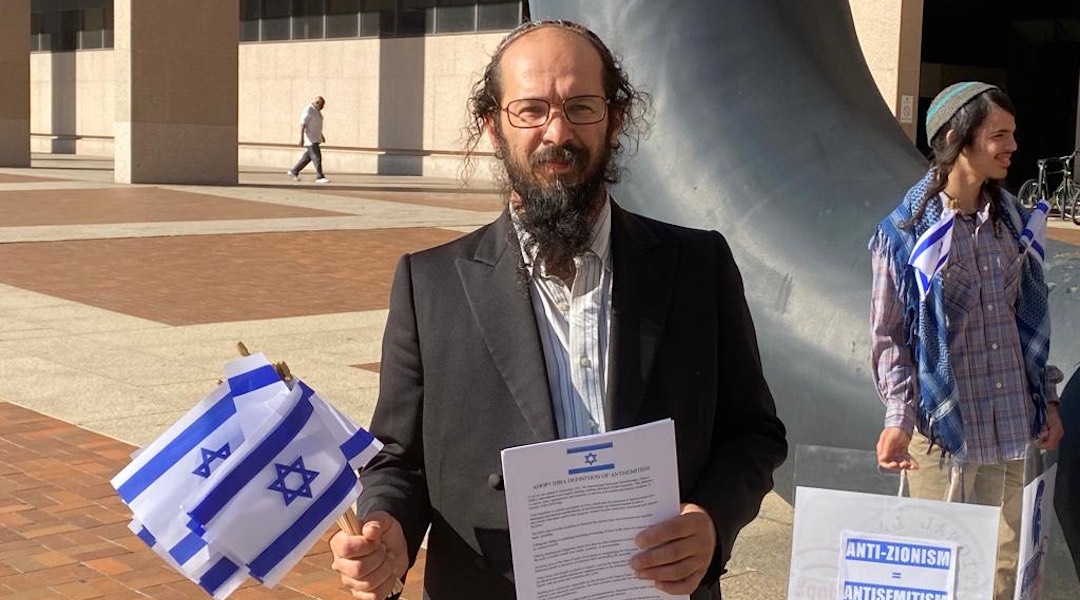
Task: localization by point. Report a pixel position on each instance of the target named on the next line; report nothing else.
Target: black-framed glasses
(527, 113)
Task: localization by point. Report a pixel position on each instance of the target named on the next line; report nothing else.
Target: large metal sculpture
(769, 128)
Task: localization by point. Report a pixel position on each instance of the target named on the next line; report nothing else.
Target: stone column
(15, 79)
(890, 34)
(176, 91)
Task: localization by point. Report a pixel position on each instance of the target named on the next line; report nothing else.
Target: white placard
(884, 566)
(823, 515)
(576, 505)
(1034, 535)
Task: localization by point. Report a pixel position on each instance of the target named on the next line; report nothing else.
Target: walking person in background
(311, 138)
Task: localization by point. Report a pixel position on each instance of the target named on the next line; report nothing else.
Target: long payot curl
(944, 152)
(486, 101)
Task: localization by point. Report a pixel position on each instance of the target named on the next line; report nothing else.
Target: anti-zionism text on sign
(879, 567)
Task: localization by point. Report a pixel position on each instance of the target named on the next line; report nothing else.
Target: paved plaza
(119, 304)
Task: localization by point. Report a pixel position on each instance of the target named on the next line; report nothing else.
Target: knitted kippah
(950, 100)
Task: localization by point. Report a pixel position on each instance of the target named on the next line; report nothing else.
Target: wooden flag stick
(348, 521)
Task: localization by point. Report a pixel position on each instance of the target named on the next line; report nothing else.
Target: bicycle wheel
(1073, 206)
(1029, 193)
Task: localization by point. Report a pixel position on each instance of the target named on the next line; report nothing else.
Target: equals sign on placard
(896, 574)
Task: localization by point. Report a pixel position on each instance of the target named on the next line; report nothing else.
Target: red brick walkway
(63, 530)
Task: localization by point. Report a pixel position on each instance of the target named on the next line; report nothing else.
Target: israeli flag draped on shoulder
(290, 481)
(1033, 237)
(931, 252)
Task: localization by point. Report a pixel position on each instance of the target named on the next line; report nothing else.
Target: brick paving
(12, 178)
(63, 530)
(186, 280)
(464, 200)
(133, 205)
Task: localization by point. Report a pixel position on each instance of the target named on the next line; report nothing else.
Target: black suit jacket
(463, 376)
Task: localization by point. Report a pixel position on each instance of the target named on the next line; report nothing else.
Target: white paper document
(575, 506)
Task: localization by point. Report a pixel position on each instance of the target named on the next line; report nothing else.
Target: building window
(342, 18)
(307, 19)
(277, 20)
(455, 15)
(67, 25)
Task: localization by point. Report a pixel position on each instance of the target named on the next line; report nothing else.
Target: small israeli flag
(289, 482)
(1033, 237)
(590, 458)
(931, 251)
(181, 459)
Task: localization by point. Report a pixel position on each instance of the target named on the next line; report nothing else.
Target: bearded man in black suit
(566, 316)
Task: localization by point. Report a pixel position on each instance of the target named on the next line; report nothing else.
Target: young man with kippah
(959, 321)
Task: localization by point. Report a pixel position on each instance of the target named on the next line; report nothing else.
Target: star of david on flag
(246, 481)
(208, 458)
(297, 468)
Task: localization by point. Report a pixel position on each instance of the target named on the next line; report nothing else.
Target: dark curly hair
(944, 152)
(486, 97)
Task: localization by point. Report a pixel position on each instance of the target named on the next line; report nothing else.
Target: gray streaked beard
(557, 219)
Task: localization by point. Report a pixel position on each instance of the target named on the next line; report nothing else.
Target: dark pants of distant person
(312, 154)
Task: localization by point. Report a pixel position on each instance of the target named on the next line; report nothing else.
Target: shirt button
(998, 385)
(585, 362)
(994, 345)
(986, 268)
(989, 307)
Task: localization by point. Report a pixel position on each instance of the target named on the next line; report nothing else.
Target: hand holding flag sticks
(247, 480)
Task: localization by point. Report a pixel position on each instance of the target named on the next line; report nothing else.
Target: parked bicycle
(1065, 200)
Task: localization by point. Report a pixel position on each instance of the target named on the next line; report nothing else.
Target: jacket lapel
(643, 267)
(503, 311)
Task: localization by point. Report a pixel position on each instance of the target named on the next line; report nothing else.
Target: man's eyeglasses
(535, 112)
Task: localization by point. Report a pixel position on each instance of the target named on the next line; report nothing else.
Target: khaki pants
(991, 485)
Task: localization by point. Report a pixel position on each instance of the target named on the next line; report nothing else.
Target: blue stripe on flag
(256, 461)
(217, 575)
(589, 448)
(147, 537)
(177, 449)
(186, 548)
(312, 517)
(1038, 248)
(579, 470)
(356, 444)
(253, 380)
(931, 240)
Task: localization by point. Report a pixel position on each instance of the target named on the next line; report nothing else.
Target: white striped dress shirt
(574, 325)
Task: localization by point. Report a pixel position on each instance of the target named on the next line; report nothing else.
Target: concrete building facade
(395, 75)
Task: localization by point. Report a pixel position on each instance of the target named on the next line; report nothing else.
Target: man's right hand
(372, 562)
(892, 450)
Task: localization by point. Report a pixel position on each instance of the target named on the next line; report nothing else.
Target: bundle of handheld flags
(247, 481)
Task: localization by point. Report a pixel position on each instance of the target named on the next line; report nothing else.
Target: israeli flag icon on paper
(590, 458)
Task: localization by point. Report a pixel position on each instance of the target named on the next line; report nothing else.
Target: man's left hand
(676, 553)
(1054, 431)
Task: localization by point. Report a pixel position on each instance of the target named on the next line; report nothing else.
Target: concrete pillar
(176, 91)
(890, 34)
(15, 79)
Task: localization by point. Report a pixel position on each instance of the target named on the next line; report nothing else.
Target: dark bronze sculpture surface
(768, 127)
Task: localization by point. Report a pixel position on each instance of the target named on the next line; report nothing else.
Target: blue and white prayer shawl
(925, 313)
